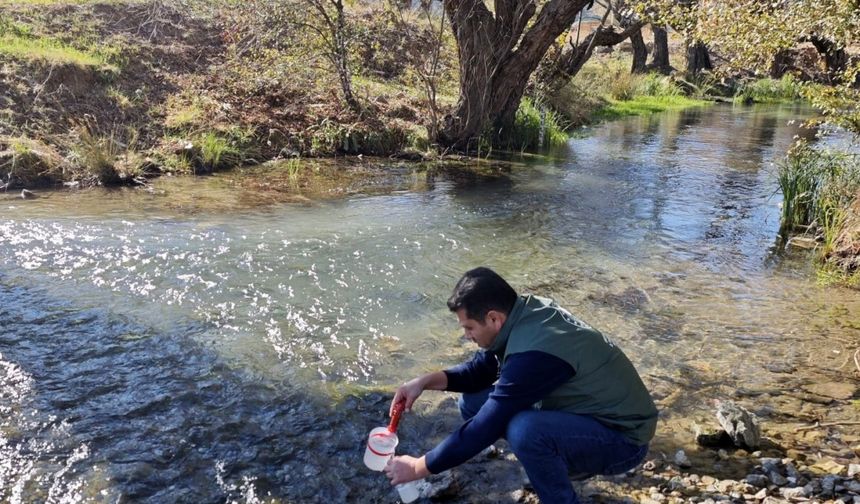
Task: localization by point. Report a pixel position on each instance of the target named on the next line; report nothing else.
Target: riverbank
(107, 93)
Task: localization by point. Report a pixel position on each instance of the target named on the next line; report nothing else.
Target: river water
(212, 340)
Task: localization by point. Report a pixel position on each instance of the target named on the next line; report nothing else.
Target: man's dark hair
(481, 290)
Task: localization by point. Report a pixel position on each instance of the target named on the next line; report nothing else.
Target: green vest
(606, 386)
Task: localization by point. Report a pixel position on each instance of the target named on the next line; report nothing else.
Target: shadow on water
(102, 407)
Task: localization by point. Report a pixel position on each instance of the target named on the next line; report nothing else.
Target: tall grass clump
(537, 125)
(105, 159)
(217, 151)
(786, 89)
(817, 186)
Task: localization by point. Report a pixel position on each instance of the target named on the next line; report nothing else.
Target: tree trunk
(573, 56)
(497, 55)
(660, 52)
(640, 52)
(698, 58)
(781, 63)
(835, 57)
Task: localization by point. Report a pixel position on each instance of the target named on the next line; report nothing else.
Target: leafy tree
(498, 52)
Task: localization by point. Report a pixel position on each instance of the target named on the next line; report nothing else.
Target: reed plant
(817, 186)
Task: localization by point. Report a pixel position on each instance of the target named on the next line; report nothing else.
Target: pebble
(828, 486)
(793, 493)
(681, 459)
(853, 469)
(657, 496)
(761, 494)
(769, 463)
(725, 486)
(757, 480)
(776, 478)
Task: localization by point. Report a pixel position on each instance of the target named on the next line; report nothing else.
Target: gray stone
(792, 471)
(828, 485)
(676, 483)
(770, 464)
(681, 459)
(740, 424)
(777, 479)
(757, 480)
(853, 486)
(443, 488)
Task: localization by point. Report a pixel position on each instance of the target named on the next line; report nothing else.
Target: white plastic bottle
(408, 491)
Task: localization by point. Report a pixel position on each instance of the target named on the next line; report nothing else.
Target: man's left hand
(404, 469)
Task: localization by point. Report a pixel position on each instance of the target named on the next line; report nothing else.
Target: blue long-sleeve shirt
(525, 379)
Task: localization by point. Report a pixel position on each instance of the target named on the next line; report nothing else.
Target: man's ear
(496, 319)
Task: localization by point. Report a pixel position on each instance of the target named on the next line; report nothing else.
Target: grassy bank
(820, 190)
(114, 91)
(605, 90)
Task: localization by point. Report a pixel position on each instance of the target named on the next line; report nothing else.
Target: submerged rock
(833, 390)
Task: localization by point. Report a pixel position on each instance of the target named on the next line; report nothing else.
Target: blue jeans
(552, 444)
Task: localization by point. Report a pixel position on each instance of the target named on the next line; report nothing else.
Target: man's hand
(407, 393)
(404, 469)
(411, 390)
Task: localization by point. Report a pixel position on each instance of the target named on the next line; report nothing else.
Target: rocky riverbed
(815, 462)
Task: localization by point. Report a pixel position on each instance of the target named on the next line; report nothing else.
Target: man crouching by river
(567, 400)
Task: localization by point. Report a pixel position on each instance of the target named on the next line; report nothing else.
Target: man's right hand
(411, 390)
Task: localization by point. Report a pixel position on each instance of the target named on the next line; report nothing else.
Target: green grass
(784, 90)
(529, 121)
(18, 41)
(217, 152)
(643, 105)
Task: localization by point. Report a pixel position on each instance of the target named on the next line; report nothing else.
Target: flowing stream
(208, 340)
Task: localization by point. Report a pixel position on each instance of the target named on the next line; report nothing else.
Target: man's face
(481, 333)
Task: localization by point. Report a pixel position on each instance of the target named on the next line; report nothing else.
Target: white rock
(793, 493)
(853, 469)
(681, 459)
